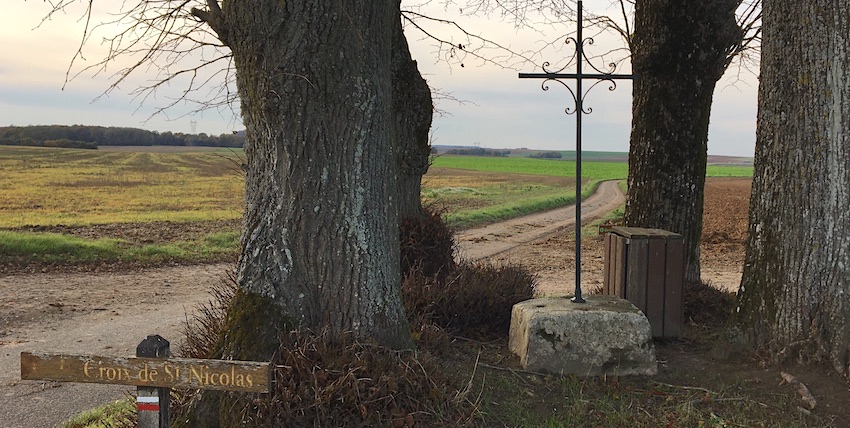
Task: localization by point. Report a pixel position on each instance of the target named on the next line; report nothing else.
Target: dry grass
(72, 187)
(474, 300)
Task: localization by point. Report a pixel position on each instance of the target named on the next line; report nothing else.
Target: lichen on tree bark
(795, 292)
(679, 52)
(320, 226)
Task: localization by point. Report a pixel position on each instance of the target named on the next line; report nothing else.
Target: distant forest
(90, 137)
(478, 151)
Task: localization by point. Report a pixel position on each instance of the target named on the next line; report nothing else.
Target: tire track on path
(488, 241)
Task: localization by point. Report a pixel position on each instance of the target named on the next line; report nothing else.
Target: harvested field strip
(77, 187)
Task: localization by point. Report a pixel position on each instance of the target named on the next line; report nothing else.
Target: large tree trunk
(320, 237)
(413, 109)
(795, 292)
(679, 51)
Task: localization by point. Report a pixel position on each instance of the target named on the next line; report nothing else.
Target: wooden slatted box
(647, 267)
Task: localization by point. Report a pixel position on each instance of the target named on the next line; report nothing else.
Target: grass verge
(56, 248)
(471, 218)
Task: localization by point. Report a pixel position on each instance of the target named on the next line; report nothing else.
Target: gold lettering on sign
(147, 374)
(246, 376)
(172, 372)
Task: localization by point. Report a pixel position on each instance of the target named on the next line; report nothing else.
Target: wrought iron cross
(578, 97)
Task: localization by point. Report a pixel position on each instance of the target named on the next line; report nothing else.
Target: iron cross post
(578, 97)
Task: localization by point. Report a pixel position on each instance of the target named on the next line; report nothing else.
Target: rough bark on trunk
(413, 109)
(320, 233)
(679, 51)
(795, 292)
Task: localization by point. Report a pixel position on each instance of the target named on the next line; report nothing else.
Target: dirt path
(544, 243)
(110, 313)
(104, 314)
(494, 239)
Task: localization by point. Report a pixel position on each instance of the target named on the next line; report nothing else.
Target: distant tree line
(546, 155)
(90, 137)
(478, 151)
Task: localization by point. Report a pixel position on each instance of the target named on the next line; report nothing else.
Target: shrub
(475, 300)
(325, 381)
(207, 323)
(478, 151)
(427, 245)
(707, 306)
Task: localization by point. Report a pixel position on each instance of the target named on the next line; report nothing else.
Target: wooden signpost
(153, 372)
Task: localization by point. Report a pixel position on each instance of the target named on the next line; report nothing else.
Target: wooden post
(152, 403)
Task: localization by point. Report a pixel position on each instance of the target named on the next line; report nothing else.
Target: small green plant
(117, 414)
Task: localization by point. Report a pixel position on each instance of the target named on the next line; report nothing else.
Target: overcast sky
(496, 109)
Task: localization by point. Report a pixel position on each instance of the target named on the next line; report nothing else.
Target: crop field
(81, 187)
(151, 204)
(474, 190)
(548, 167)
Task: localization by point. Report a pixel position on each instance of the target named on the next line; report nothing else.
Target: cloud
(503, 112)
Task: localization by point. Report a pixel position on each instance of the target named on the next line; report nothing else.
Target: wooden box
(647, 267)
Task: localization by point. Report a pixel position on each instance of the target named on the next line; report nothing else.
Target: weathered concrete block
(607, 335)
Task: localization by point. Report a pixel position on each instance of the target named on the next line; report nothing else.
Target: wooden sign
(245, 376)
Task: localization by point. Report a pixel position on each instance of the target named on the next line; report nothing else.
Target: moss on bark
(252, 330)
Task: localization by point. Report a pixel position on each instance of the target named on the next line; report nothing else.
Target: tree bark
(320, 233)
(679, 52)
(413, 109)
(795, 292)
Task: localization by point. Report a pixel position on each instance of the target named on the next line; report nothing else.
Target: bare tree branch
(471, 46)
(180, 44)
(744, 54)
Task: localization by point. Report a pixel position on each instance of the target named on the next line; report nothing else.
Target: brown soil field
(108, 309)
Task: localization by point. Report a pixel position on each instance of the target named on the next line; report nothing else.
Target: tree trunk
(795, 292)
(320, 233)
(679, 52)
(413, 109)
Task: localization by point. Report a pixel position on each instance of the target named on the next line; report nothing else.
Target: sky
(479, 103)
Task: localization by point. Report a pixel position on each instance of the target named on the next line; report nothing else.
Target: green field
(593, 170)
(549, 167)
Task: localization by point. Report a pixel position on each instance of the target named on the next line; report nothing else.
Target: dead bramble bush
(427, 245)
(707, 306)
(439, 295)
(324, 381)
(206, 324)
(474, 300)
